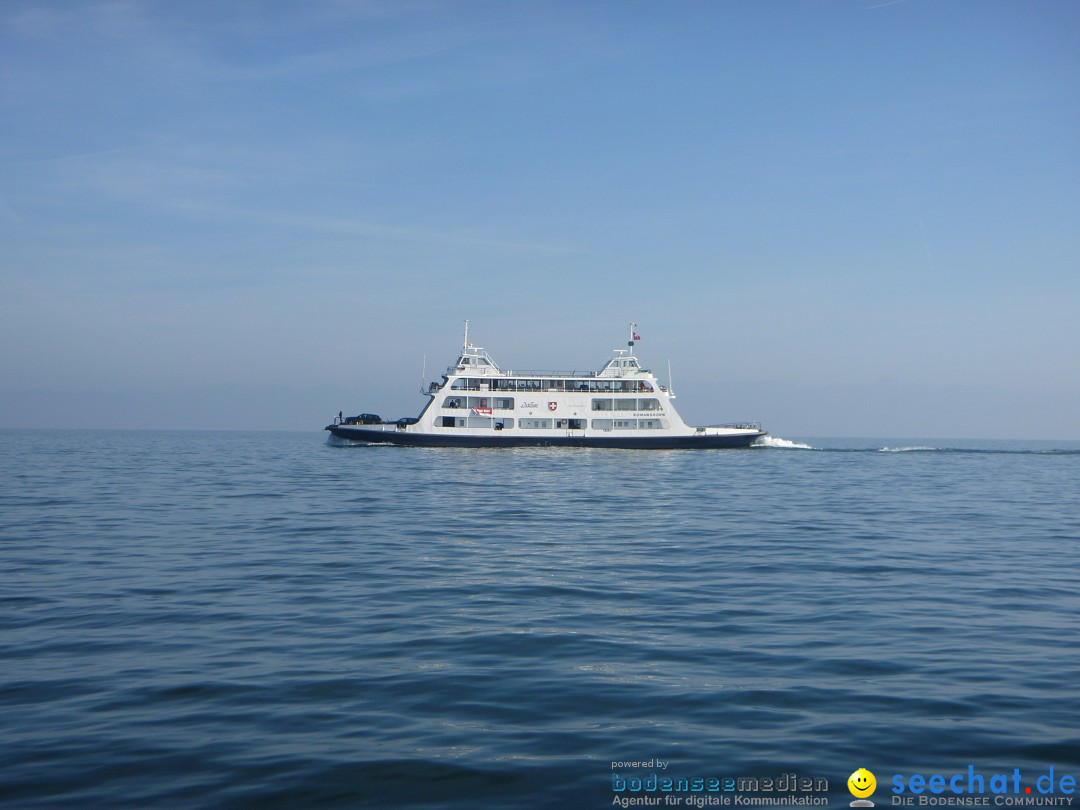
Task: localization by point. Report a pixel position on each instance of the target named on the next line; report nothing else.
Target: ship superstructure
(478, 404)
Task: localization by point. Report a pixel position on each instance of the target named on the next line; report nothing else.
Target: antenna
(670, 390)
(423, 375)
(466, 333)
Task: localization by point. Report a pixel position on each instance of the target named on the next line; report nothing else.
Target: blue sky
(841, 218)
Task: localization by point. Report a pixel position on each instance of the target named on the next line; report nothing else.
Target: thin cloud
(197, 191)
(358, 227)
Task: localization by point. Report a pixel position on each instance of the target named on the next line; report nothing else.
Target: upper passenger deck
(476, 362)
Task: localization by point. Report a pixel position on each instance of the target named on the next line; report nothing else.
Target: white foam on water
(776, 441)
(917, 449)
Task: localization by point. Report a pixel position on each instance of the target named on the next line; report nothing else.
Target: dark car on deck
(363, 419)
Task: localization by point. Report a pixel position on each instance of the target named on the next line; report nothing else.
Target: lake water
(263, 620)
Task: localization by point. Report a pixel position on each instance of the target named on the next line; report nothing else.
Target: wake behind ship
(477, 404)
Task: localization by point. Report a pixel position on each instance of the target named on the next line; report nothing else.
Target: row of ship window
(496, 384)
(549, 424)
(507, 403)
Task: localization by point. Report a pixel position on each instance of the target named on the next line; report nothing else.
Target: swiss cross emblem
(552, 406)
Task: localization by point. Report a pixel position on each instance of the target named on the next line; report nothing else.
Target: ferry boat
(478, 404)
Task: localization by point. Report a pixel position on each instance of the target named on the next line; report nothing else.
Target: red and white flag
(636, 336)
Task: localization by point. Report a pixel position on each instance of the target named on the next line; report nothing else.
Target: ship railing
(553, 390)
(605, 374)
(528, 372)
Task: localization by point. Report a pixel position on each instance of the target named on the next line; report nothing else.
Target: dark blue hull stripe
(621, 442)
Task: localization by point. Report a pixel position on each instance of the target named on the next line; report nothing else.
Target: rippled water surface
(246, 619)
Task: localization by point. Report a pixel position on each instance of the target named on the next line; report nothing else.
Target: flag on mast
(636, 336)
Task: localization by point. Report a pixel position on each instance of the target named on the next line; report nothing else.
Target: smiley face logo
(861, 783)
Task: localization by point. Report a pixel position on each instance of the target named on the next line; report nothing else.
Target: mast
(633, 337)
(466, 344)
